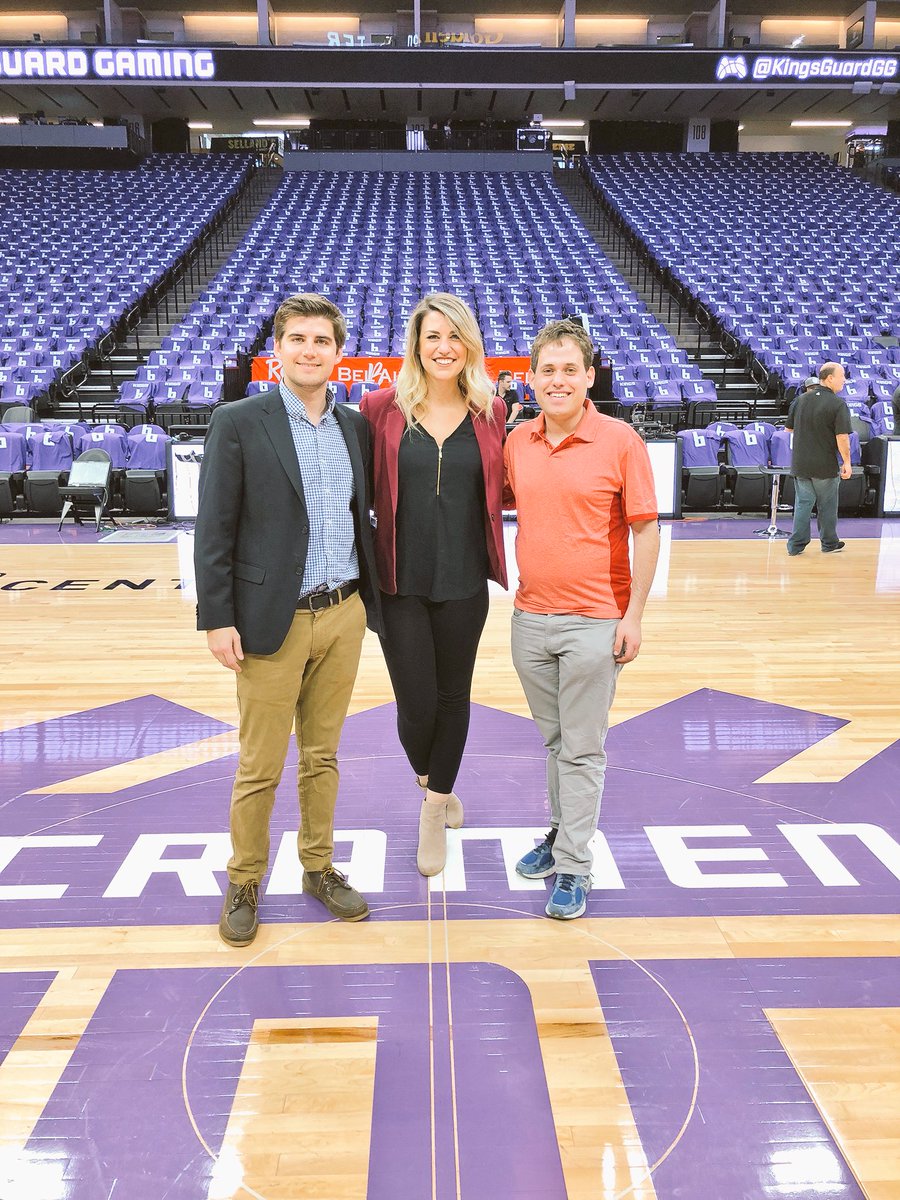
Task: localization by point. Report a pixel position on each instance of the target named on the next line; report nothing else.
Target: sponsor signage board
(258, 145)
(807, 68)
(475, 67)
(381, 370)
(119, 63)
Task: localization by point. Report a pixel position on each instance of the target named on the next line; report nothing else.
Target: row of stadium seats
(52, 446)
(797, 260)
(36, 458)
(71, 265)
(375, 242)
(725, 463)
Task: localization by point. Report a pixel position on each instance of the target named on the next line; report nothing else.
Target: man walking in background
(820, 423)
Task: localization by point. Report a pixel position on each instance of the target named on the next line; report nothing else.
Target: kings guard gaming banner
(382, 67)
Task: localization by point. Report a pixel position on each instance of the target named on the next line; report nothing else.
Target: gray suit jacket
(252, 531)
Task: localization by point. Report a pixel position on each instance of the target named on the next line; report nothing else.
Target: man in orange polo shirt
(579, 482)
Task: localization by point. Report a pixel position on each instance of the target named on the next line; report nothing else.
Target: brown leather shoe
(332, 888)
(240, 917)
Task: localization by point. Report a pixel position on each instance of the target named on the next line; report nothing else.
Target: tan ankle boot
(455, 811)
(432, 852)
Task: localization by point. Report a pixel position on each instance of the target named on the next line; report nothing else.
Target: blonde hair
(474, 385)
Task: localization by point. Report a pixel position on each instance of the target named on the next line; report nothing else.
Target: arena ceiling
(233, 109)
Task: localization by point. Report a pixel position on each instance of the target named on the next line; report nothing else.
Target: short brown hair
(556, 331)
(309, 304)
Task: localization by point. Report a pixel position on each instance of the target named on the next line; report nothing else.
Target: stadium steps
(156, 326)
(105, 377)
(732, 379)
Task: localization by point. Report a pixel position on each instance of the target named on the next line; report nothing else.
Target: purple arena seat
(136, 396)
(781, 444)
(699, 448)
(732, 229)
(110, 438)
(702, 478)
(148, 452)
(51, 451)
(12, 453)
(70, 264)
(384, 239)
(746, 447)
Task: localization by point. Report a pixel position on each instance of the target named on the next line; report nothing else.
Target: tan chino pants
(307, 684)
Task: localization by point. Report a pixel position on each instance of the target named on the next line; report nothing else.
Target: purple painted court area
(117, 1122)
(755, 1133)
(684, 827)
(694, 527)
(35, 756)
(45, 533)
(20, 994)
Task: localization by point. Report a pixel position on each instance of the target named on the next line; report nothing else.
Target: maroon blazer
(388, 426)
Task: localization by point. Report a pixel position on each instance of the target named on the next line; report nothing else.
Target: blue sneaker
(538, 863)
(569, 897)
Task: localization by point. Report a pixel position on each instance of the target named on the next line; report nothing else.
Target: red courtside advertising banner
(382, 371)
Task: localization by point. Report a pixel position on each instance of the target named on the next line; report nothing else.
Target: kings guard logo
(731, 66)
(877, 67)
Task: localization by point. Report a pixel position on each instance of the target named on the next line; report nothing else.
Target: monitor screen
(89, 474)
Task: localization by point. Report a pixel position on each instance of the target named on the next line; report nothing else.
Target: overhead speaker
(569, 89)
(862, 87)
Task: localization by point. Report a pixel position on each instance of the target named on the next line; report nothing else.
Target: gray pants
(568, 672)
(823, 493)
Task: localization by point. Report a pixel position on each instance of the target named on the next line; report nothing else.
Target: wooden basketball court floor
(724, 1024)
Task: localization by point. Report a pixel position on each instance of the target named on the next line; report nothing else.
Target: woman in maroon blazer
(438, 462)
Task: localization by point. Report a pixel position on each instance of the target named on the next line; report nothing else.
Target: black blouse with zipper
(441, 546)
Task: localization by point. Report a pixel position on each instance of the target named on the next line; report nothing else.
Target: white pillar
(566, 25)
(264, 23)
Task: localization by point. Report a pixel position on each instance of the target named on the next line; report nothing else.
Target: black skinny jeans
(430, 649)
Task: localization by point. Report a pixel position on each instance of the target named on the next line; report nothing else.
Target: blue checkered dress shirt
(328, 487)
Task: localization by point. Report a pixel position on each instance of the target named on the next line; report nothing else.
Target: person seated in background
(519, 402)
(507, 392)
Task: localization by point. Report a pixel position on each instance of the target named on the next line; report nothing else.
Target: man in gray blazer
(286, 584)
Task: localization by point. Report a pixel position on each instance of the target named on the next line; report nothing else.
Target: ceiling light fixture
(199, 124)
(821, 124)
(563, 124)
(281, 122)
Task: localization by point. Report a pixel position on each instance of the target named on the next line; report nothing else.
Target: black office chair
(87, 490)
